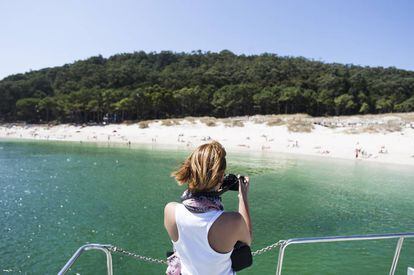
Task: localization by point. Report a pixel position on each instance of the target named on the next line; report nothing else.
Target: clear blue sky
(45, 33)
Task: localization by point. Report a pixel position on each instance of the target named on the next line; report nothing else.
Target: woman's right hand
(244, 185)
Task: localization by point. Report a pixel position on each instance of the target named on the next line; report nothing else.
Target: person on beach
(358, 149)
(383, 150)
(202, 233)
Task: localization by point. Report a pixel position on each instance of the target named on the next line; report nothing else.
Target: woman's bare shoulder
(171, 204)
(231, 217)
(224, 232)
(170, 208)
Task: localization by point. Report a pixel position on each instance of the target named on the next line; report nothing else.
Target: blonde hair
(204, 169)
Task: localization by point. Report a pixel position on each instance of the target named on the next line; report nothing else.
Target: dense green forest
(143, 85)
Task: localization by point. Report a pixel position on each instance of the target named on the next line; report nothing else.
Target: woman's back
(193, 245)
(205, 236)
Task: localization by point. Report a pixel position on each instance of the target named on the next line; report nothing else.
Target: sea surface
(55, 197)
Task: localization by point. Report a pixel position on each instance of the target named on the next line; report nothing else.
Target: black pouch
(241, 257)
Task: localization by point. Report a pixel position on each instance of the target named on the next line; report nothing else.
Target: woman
(202, 233)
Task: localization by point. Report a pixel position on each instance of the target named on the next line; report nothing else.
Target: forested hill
(159, 85)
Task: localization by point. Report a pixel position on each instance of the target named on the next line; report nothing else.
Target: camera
(231, 182)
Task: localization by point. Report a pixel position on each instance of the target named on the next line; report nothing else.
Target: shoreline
(258, 134)
(271, 155)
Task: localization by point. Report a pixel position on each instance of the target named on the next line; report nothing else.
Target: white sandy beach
(336, 137)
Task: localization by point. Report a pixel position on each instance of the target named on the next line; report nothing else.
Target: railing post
(69, 263)
(396, 255)
(108, 261)
(280, 258)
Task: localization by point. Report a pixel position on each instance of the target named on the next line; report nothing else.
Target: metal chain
(115, 249)
(267, 248)
(137, 256)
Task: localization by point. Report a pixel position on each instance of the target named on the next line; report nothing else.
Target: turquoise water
(55, 197)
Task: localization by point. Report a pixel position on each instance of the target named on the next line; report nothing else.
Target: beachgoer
(265, 147)
(357, 149)
(383, 150)
(203, 235)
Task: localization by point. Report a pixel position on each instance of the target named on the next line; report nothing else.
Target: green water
(57, 197)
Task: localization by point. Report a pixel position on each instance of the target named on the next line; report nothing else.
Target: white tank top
(196, 255)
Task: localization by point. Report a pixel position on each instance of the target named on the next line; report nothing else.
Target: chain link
(137, 256)
(267, 248)
(115, 249)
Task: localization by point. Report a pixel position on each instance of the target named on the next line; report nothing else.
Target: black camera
(231, 182)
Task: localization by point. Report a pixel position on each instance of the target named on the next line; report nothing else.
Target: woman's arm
(246, 225)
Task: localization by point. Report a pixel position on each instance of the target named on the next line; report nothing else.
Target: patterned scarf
(196, 203)
(201, 202)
